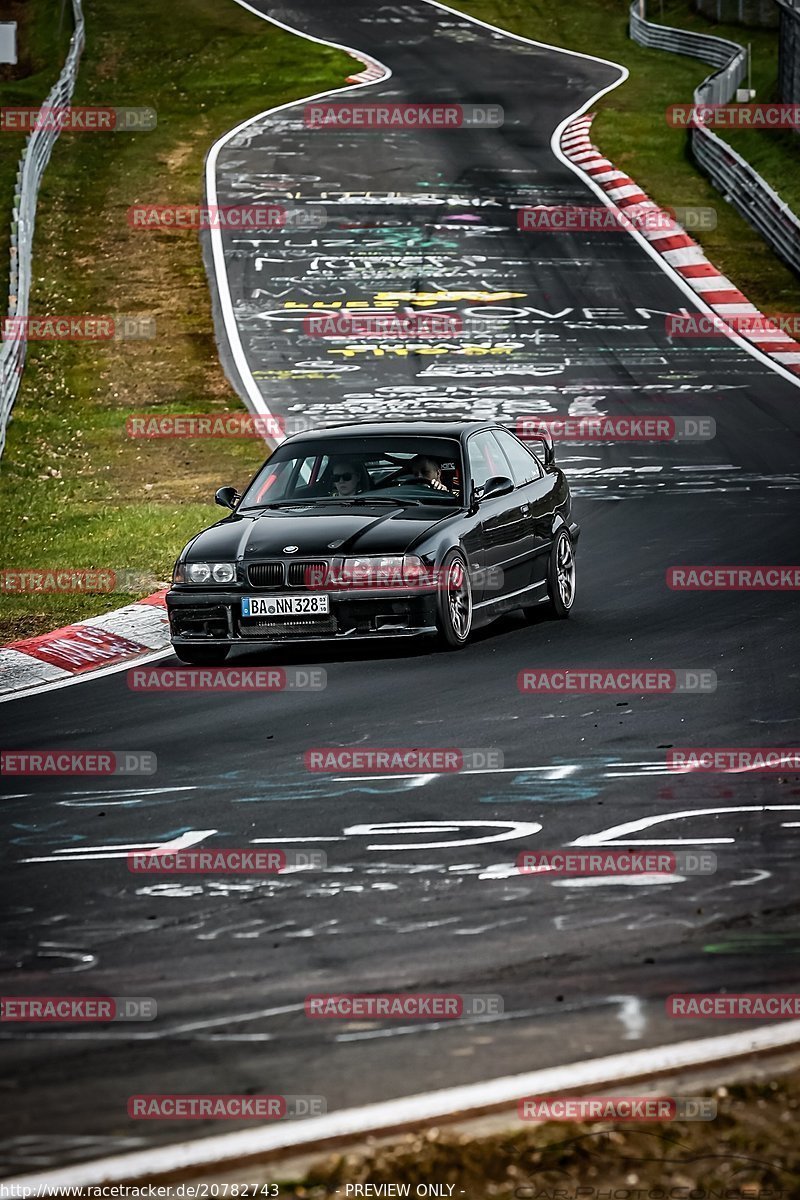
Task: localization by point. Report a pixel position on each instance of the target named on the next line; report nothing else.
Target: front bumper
(199, 617)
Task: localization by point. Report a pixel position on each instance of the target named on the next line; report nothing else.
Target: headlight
(201, 572)
(391, 571)
(198, 572)
(373, 572)
(415, 572)
(223, 572)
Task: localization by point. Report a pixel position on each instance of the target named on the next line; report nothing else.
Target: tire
(202, 656)
(561, 576)
(454, 603)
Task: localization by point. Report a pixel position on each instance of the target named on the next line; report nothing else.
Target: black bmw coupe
(381, 530)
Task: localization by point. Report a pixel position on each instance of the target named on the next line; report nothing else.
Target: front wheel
(454, 603)
(202, 656)
(561, 575)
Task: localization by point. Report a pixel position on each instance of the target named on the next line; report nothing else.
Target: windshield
(418, 469)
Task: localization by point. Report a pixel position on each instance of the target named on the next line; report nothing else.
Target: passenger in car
(349, 478)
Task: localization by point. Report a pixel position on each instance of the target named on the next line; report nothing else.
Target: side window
(311, 469)
(524, 467)
(485, 458)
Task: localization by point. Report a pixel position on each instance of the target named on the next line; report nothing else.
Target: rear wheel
(454, 602)
(561, 576)
(202, 656)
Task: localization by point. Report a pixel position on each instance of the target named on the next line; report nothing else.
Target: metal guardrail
(32, 163)
(715, 50)
(740, 184)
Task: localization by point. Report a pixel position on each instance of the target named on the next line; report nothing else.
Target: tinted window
(485, 458)
(316, 470)
(524, 467)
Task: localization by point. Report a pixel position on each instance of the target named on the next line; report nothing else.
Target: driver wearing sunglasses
(346, 479)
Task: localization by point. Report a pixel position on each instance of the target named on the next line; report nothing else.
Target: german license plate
(285, 606)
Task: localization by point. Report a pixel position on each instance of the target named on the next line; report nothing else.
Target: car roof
(457, 429)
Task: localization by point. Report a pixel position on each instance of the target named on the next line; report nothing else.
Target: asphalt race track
(419, 892)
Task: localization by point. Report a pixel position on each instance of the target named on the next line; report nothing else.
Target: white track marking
(593, 881)
(449, 1104)
(620, 832)
(758, 877)
(552, 773)
(511, 830)
(171, 1031)
(193, 1026)
(282, 840)
(632, 1016)
(96, 853)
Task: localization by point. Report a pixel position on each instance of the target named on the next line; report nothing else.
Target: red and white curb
(97, 643)
(671, 241)
(371, 73)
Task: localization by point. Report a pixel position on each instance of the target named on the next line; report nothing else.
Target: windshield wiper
(280, 504)
(367, 499)
(363, 498)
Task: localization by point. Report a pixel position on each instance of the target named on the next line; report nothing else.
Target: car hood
(320, 531)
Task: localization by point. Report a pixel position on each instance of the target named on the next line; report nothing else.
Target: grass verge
(749, 1150)
(631, 128)
(75, 491)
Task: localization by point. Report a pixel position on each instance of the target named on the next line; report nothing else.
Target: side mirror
(226, 497)
(498, 485)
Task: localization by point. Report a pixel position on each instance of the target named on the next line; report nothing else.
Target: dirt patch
(751, 1151)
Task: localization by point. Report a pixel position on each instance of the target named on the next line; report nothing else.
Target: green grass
(41, 50)
(75, 490)
(774, 154)
(631, 128)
